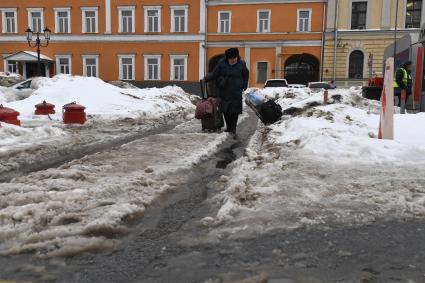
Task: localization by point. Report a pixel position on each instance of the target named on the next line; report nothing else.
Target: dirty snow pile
(86, 204)
(323, 165)
(103, 102)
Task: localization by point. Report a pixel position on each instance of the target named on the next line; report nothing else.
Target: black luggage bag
(269, 112)
(215, 122)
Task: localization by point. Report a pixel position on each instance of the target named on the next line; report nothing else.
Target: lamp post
(38, 44)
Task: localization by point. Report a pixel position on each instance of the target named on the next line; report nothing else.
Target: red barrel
(44, 108)
(73, 113)
(8, 115)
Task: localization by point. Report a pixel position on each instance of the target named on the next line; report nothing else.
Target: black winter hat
(232, 53)
(407, 63)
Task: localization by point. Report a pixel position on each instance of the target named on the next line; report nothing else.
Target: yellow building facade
(357, 32)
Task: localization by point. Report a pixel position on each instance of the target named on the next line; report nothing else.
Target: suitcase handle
(204, 89)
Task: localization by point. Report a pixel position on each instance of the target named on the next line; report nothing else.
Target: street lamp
(38, 44)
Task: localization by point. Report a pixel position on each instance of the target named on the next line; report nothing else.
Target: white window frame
(3, 16)
(96, 57)
(58, 57)
(150, 8)
(258, 74)
(219, 21)
(83, 16)
(31, 10)
(133, 19)
(172, 57)
(351, 11)
(146, 75)
(310, 11)
(7, 64)
(133, 67)
(268, 20)
(57, 10)
(180, 7)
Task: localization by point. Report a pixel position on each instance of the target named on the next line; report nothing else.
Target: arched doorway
(356, 65)
(302, 69)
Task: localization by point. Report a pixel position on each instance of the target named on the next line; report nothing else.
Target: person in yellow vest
(403, 81)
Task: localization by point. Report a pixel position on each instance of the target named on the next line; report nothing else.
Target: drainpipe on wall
(335, 37)
(322, 48)
(206, 36)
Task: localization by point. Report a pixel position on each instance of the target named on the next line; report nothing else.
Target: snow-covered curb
(322, 165)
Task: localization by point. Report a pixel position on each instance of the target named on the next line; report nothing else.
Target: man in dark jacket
(403, 81)
(231, 76)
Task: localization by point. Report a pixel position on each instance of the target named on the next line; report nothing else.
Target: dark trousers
(231, 122)
(397, 93)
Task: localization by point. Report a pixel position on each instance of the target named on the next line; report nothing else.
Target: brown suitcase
(214, 122)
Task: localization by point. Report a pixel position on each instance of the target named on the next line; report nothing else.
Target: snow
(323, 166)
(102, 99)
(86, 204)
(103, 102)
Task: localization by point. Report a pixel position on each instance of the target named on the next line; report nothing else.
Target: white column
(423, 14)
(202, 59)
(47, 70)
(108, 16)
(278, 63)
(330, 15)
(24, 70)
(248, 57)
(5, 66)
(386, 14)
(202, 18)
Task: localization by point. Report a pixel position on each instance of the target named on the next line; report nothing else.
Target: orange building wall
(283, 16)
(108, 56)
(49, 15)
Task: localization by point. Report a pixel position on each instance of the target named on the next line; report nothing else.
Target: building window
(126, 63)
(63, 64)
(179, 18)
(263, 21)
(356, 63)
(91, 66)
(304, 20)
(10, 21)
(63, 21)
(153, 67)
(413, 13)
(178, 67)
(224, 21)
(126, 19)
(90, 20)
(152, 19)
(261, 72)
(358, 15)
(12, 67)
(35, 19)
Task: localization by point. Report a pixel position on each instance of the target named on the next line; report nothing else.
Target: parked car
(296, 86)
(276, 83)
(324, 85)
(17, 91)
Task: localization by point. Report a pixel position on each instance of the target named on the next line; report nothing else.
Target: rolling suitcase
(213, 122)
(268, 111)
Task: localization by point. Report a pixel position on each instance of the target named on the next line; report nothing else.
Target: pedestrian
(231, 76)
(403, 81)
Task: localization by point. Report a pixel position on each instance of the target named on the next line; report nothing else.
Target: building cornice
(112, 38)
(265, 44)
(256, 2)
